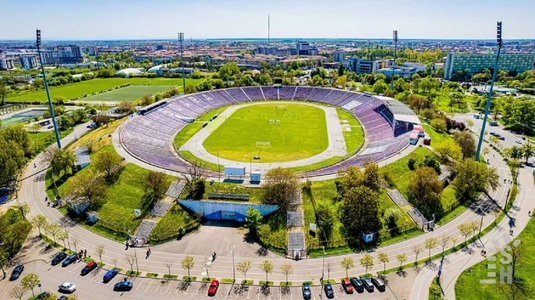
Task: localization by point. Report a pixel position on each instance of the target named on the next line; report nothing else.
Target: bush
(412, 164)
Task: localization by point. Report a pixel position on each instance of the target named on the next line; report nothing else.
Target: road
(33, 192)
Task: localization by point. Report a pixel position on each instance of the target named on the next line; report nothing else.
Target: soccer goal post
(274, 121)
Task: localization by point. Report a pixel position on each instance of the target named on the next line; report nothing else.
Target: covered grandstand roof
(400, 111)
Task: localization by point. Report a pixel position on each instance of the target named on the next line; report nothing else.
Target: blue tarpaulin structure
(219, 210)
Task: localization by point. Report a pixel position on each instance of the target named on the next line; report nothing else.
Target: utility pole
(487, 107)
(181, 40)
(50, 107)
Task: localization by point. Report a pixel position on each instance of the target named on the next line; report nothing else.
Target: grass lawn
(96, 85)
(442, 103)
(355, 138)
(302, 133)
(399, 171)
(169, 225)
(192, 128)
(436, 137)
(128, 93)
(41, 140)
(468, 285)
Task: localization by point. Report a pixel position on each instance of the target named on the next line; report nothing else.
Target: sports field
(275, 132)
(128, 93)
(96, 85)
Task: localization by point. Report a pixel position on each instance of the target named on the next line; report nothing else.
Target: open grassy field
(301, 133)
(354, 138)
(96, 85)
(128, 93)
(468, 284)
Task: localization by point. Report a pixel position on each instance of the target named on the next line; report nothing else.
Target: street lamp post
(487, 107)
(233, 267)
(181, 40)
(394, 64)
(50, 107)
(322, 270)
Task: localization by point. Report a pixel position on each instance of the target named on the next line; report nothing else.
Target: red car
(213, 288)
(347, 286)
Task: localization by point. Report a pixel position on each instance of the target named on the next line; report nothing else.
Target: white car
(67, 287)
(518, 141)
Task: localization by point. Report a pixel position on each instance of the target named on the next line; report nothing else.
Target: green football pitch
(128, 93)
(275, 132)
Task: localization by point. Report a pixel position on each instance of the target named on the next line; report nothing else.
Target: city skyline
(208, 19)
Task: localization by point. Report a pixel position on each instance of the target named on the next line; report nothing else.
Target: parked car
(357, 284)
(494, 134)
(307, 293)
(58, 258)
(379, 284)
(518, 141)
(329, 292)
(109, 275)
(501, 138)
(346, 284)
(67, 287)
(368, 284)
(69, 260)
(89, 267)
(212, 290)
(16, 272)
(124, 285)
(62, 297)
(41, 296)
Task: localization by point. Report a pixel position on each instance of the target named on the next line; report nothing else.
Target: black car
(123, 286)
(16, 272)
(379, 284)
(88, 268)
(329, 292)
(43, 295)
(357, 284)
(69, 260)
(58, 258)
(368, 284)
(307, 293)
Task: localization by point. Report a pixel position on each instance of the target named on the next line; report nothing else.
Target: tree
(17, 291)
(383, 258)
(425, 189)
(379, 87)
(39, 221)
(100, 251)
(187, 264)
(430, 244)
(243, 267)
(190, 89)
(101, 119)
(467, 143)
(401, 258)
(147, 100)
(75, 242)
(447, 151)
(252, 220)
(126, 107)
(61, 160)
(438, 124)
(267, 267)
(281, 187)
(325, 220)
(195, 182)
(130, 259)
(108, 162)
(169, 264)
(474, 177)
(286, 270)
(3, 92)
(367, 262)
(62, 236)
(465, 229)
(527, 150)
(30, 281)
(4, 259)
(417, 249)
(361, 211)
(54, 230)
(90, 187)
(347, 263)
(11, 159)
(155, 183)
(443, 241)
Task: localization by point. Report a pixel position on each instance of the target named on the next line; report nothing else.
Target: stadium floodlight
(394, 64)
(487, 107)
(181, 40)
(50, 107)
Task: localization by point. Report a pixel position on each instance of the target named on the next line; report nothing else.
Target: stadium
(148, 136)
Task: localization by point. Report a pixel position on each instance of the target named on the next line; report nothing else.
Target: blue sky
(131, 19)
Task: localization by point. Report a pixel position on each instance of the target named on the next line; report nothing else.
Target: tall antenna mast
(269, 30)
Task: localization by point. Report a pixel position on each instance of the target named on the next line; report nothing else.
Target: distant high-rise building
(5, 62)
(474, 63)
(339, 56)
(302, 48)
(69, 54)
(92, 51)
(29, 61)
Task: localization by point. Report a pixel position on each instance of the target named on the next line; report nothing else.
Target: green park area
(128, 93)
(520, 257)
(97, 85)
(275, 132)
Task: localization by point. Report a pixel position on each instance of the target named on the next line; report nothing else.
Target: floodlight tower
(50, 107)
(394, 64)
(487, 107)
(181, 40)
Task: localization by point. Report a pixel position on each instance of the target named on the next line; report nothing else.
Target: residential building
(29, 61)
(477, 62)
(92, 51)
(399, 71)
(6, 63)
(62, 55)
(302, 48)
